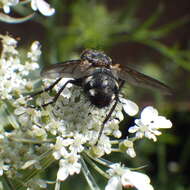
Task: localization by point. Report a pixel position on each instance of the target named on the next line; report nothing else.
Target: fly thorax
(101, 88)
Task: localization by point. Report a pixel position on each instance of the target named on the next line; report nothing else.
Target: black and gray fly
(101, 79)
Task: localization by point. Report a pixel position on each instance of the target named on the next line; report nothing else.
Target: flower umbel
(66, 131)
(68, 166)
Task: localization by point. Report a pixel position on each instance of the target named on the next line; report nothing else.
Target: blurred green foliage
(90, 25)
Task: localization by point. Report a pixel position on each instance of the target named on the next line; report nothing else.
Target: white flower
(131, 152)
(59, 147)
(7, 4)
(104, 144)
(68, 167)
(27, 115)
(128, 147)
(76, 145)
(149, 123)
(114, 183)
(53, 126)
(35, 52)
(43, 7)
(136, 179)
(121, 176)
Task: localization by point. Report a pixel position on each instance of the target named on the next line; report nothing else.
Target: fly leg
(121, 83)
(46, 89)
(58, 93)
(106, 119)
(50, 88)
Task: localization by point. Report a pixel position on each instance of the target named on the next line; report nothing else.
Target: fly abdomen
(101, 88)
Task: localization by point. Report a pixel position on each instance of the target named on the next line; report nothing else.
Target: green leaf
(152, 19)
(171, 53)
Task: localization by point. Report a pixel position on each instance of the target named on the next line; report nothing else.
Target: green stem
(162, 175)
(99, 170)
(8, 184)
(100, 161)
(57, 185)
(115, 150)
(30, 141)
(89, 178)
(46, 159)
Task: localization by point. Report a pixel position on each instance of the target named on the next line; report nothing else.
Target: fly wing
(69, 69)
(138, 79)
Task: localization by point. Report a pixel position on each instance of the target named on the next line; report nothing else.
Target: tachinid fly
(101, 79)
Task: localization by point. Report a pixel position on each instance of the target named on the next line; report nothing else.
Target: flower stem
(89, 178)
(100, 160)
(99, 170)
(9, 185)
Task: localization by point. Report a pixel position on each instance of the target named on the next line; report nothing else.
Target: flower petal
(139, 180)
(162, 122)
(148, 114)
(133, 129)
(45, 8)
(131, 152)
(34, 5)
(129, 107)
(62, 174)
(114, 183)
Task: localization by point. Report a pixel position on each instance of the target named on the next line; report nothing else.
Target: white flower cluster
(40, 5)
(149, 123)
(15, 154)
(13, 70)
(69, 127)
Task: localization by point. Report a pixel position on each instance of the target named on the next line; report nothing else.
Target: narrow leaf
(152, 19)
